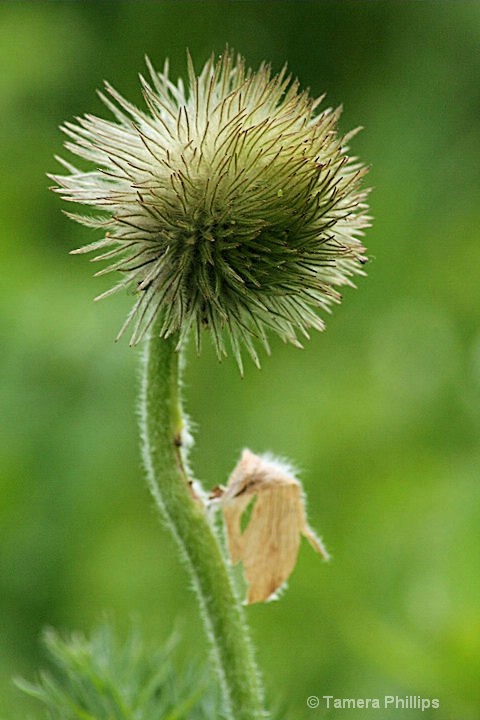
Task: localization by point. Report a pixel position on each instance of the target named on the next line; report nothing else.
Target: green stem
(161, 427)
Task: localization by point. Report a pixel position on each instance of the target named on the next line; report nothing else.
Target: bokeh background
(381, 412)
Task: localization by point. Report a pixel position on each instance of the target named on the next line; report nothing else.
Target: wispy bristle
(231, 207)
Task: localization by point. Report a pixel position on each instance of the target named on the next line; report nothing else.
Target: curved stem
(161, 427)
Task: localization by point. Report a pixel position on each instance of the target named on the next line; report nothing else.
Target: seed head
(230, 206)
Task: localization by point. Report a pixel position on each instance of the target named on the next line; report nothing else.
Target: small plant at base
(99, 678)
(231, 207)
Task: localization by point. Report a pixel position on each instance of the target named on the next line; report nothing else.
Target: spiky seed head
(230, 206)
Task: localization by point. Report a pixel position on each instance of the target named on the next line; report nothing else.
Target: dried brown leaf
(268, 546)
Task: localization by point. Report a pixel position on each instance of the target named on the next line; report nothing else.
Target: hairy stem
(161, 427)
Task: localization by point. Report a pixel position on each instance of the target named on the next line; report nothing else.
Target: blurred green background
(381, 412)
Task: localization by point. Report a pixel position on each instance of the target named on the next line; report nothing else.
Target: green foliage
(247, 514)
(381, 412)
(99, 678)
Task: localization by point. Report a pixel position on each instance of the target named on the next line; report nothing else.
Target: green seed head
(230, 206)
